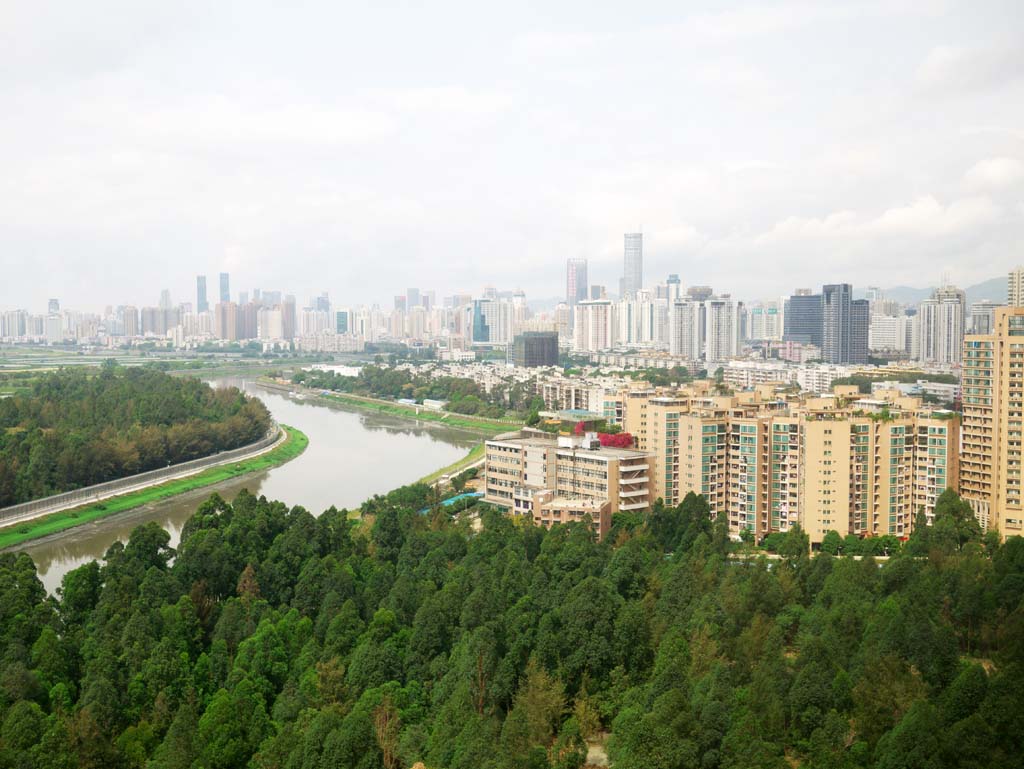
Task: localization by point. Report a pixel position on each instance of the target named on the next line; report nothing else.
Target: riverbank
(489, 427)
(475, 455)
(15, 534)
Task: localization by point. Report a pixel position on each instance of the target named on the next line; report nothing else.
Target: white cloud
(994, 173)
(347, 149)
(957, 68)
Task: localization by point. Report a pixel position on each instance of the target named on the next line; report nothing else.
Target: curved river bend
(351, 456)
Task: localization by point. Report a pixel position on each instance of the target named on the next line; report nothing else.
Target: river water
(351, 456)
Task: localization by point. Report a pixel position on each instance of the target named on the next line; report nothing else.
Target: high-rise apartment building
(890, 333)
(130, 317)
(1015, 288)
(225, 321)
(289, 317)
(633, 264)
(941, 323)
(843, 463)
(686, 329)
(722, 330)
(766, 320)
(202, 303)
(225, 288)
(993, 423)
(247, 320)
(575, 281)
(594, 326)
(53, 306)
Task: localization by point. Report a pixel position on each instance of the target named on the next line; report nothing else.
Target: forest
(273, 638)
(80, 426)
(463, 396)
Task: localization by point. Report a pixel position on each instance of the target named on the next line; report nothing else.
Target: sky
(362, 148)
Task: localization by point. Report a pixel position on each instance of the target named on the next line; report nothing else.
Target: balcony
(634, 506)
(636, 493)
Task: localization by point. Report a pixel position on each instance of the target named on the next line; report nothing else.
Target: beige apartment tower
(993, 422)
(1015, 288)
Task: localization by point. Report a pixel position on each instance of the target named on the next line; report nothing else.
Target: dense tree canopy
(79, 427)
(462, 395)
(271, 638)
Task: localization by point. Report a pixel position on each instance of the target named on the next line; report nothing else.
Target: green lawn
(475, 454)
(479, 424)
(18, 533)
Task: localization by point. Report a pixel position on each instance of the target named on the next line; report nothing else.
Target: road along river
(351, 456)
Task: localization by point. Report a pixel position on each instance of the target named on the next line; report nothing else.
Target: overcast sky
(363, 148)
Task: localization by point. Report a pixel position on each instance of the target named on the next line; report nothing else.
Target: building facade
(565, 479)
(993, 423)
(633, 264)
(535, 348)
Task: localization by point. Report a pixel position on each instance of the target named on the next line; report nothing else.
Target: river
(351, 456)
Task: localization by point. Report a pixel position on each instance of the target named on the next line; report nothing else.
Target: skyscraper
(202, 304)
(942, 320)
(575, 281)
(838, 327)
(412, 296)
(685, 333)
(225, 287)
(53, 306)
(860, 326)
(1015, 288)
(675, 287)
(721, 330)
(802, 318)
(288, 317)
(633, 264)
(165, 299)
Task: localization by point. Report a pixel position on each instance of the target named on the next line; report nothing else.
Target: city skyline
(139, 147)
(188, 289)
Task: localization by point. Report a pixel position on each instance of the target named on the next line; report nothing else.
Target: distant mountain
(993, 290)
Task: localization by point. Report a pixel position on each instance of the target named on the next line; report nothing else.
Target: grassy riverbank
(483, 425)
(17, 533)
(475, 455)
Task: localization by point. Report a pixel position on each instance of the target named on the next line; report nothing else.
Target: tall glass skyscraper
(225, 288)
(802, 318)
(202, 304)
(633, 264)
